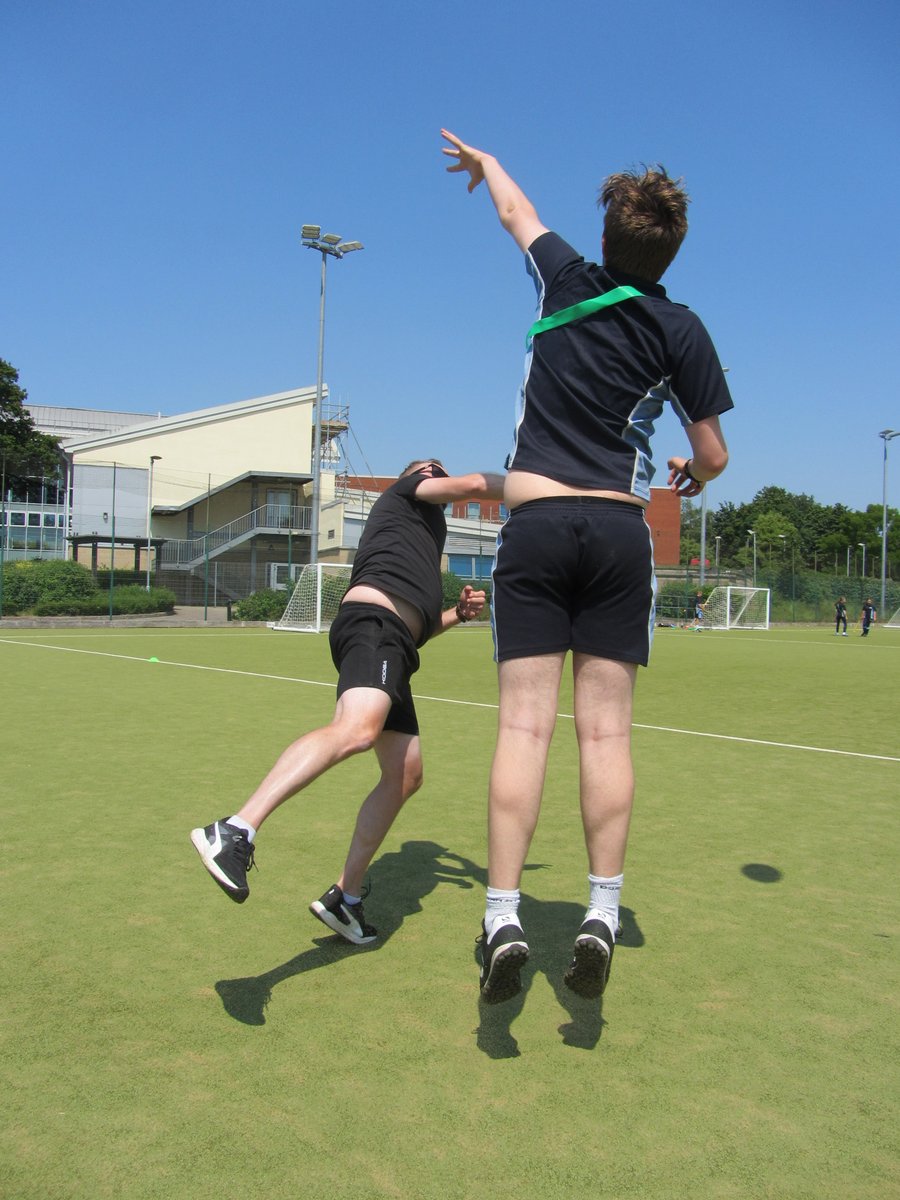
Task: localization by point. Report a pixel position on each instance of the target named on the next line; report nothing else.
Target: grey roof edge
(294, 476)
(200, 416)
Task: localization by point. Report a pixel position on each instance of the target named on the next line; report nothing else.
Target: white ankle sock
(604, 902)
(499, 904)
(241, 824)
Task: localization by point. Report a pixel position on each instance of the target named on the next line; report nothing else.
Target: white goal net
(894, 621)
(736, 608)
(316, 598)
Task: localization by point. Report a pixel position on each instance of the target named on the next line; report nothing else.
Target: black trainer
(348, 920)
(227, 854)
(503, 956)
(589, 971)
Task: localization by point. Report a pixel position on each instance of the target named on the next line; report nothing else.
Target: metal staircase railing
(182, 553)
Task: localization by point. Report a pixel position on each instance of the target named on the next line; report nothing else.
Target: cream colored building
(220, 497)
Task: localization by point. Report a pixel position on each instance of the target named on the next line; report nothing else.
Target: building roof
(140, 425)
(73, 424)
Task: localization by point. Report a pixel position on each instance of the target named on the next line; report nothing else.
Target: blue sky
(160, 159)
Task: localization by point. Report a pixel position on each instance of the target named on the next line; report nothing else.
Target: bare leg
(357, 723)
(400, 758)
(603, 708)
(529, 689)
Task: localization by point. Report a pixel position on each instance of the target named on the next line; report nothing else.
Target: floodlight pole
(886, 435)
(154, 458)
(752, 533)
(703, 506)
(3, 530)
(863, 544)
(703, 536)
(327, 244)
(112, 556)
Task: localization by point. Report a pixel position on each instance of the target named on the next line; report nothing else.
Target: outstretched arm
(516, 212)
(480, 485)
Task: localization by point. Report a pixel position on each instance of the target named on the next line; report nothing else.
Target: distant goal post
(894, 621)
(316, 598)
(729, 607)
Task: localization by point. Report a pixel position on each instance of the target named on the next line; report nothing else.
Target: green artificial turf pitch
(160, 1041)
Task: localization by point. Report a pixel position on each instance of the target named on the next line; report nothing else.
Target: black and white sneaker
(348, 920)
(227, 854)
(503, 956)
(589, 971)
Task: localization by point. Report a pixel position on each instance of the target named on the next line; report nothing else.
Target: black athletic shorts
(371, 647)
(574, 573)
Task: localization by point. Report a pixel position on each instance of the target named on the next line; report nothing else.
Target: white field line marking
(165, 662)
(722, 737)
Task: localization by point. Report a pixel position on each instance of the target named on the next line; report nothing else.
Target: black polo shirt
(400, 550)
(594, 388)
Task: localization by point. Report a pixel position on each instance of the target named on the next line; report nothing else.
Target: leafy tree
(819, 535)
(24, 450)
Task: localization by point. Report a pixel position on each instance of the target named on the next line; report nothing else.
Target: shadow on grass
(762, 873)
(399, 880)
(550, 928)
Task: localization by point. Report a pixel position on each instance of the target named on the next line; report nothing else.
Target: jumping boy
(574, 568)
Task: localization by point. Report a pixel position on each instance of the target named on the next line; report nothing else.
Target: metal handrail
(269, 518)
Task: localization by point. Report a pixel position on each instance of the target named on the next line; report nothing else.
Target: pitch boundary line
(722, 737)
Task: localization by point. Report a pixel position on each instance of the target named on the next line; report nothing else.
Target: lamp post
(886, 435)
(703, 507)
(784, 539)
(3, 530)
(752, 533)
(718, 547)
(327, 244)
(154, 458)
(863, 544)
(703, 536)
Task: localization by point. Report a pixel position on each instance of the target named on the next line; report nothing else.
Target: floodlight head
(753, 531)
(333, 239)
(346, 247)
(310, 231)
(887, 434)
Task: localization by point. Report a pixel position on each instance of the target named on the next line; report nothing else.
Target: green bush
(132, 598)
(265, 605)
(34, 581)
(94, 606)
(59, 588)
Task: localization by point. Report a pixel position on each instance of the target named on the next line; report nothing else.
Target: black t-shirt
(400, 550)
(594, 388)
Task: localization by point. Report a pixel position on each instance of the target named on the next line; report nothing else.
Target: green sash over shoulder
(565, 315)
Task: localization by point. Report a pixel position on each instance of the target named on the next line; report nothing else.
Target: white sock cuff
(239, 823)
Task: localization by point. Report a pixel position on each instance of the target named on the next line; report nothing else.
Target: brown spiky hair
(645, 222)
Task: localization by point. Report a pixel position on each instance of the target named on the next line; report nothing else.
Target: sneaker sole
(503, 981)
(589, 972)
(201, 845)
(327, 917)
